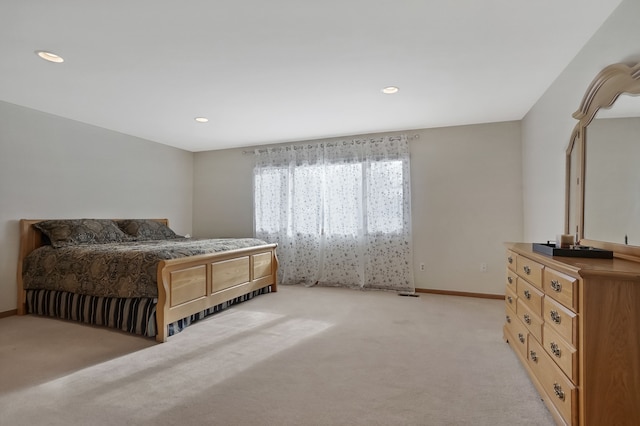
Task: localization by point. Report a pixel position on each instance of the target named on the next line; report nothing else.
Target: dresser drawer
(510, 299)
(531, 296)
(511, 260)
(512, 280)
(529, 270)
(518, 333)
(559, 389)
(564, 354)
(509, 315)
(562, 288)
(532, 321)
(561, 320)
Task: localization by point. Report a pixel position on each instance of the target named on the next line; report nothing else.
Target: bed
(176, 281)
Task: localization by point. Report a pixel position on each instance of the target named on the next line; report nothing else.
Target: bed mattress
(124, 269)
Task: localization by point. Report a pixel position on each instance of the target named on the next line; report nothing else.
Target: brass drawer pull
(558, 391)
(510, 299)
(556, 286)
(521, 337)
(555, 317)
(510, 259)
(527, 294)
(533, 356)
(527, 270)
(555, 349)
(527, 319)
(508, 319)
(510, 280)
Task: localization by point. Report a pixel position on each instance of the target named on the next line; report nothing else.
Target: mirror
(603, 167)
(612, 177)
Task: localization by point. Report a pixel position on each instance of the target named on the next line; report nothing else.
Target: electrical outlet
(422, 266)
(483, 267)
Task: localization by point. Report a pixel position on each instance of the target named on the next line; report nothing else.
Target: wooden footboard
(192, 284)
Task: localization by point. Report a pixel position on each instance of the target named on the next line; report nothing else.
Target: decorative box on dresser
(574, 323)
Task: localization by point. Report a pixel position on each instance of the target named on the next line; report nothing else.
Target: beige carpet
(302, 356)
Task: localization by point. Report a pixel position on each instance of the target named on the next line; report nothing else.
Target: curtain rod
(411, 137)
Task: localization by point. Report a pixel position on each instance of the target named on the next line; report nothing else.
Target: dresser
(574, 323)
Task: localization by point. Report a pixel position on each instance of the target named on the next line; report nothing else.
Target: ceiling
(277, 71)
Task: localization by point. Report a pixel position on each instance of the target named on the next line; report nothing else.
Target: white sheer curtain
(340, 212)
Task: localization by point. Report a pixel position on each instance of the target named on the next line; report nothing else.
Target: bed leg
(274, 272)
(163, 278)
(161, 337)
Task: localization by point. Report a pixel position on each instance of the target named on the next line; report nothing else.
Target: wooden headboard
(31, 239)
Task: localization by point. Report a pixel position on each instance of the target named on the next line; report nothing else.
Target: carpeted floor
(302, 356)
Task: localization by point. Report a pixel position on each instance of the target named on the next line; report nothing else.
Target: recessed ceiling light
(390, 90)
(201, 119)
(48, 56)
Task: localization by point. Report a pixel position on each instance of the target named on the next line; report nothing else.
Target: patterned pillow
(146, 229)
(69, 232)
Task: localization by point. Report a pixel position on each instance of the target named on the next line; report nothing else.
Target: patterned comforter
(115, 269)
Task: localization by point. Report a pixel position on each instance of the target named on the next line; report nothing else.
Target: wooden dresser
(574, 323)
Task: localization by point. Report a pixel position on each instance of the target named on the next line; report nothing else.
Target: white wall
(51, 167)
(466, 201)
(547, 127)
(223, 194)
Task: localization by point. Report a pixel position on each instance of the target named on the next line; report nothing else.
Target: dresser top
(616, 267)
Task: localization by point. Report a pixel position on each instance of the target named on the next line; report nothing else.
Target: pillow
(68, 232)
(146, 229)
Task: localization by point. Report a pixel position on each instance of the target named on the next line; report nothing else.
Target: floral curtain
(340, 212)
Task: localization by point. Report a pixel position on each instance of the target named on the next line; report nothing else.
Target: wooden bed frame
(186, 285)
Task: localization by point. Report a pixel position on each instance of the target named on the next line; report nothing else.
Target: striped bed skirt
(136, 316)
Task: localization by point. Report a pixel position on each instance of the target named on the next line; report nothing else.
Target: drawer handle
(510, 299)
(527, 294)
(556, 286)
(555, 349)
(533, 356)
(527, 270)
(508, 319)
(555, 317)
(521, 337)
(510, 280)
(527, 319)
(558, 391)
(510, 259)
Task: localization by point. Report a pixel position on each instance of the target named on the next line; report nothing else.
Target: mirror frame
(575, 146)
(604, 90)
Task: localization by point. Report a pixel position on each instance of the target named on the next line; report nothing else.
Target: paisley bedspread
(115, 269)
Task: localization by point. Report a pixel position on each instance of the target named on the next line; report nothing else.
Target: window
(337, 212)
